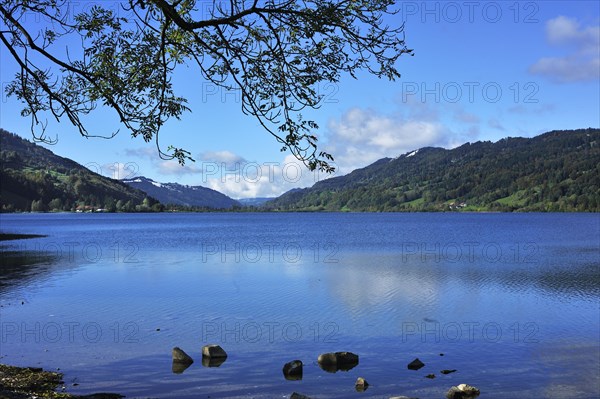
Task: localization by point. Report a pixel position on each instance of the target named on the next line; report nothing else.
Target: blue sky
(481, 71)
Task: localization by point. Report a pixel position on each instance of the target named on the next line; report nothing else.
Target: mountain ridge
(555, 171)
(182, 195)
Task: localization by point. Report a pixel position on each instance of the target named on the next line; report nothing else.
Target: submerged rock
(361, 384)
(296, 395)
(293, 370)
(213, 351)
(430, 376)
(416, 364)
(462, 391)
(448, 371)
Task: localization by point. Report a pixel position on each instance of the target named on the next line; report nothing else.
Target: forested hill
(34, 178)
(556, 171)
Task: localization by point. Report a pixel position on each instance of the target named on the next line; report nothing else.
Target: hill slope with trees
(556, 171)
(33, 178)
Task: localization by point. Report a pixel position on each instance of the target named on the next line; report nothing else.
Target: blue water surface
(510, 300)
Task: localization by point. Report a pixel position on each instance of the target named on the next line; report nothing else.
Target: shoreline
(34, 382)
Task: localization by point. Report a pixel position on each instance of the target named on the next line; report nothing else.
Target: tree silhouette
(276, 53)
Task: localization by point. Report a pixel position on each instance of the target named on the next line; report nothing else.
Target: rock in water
(181, 361)
(333, 362)
(361, 384)
(430, 376)
(338, 358)
(179, 356)
(447, 371)
(293, 370)
(462, 391)
(327, 359)
(346, 358)
(296, 395)
(213, 351)
(416, 364)
(468, 388)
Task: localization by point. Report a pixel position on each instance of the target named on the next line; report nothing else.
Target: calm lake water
(510, 300)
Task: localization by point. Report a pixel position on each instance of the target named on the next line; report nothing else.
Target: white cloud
(227, 172)
(567, 69)
(266, 179)
(361, 137)
(564, 30)
(582, 63)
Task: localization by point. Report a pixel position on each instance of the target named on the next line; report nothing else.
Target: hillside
(177, 194)
(556, 171)
(34, 178)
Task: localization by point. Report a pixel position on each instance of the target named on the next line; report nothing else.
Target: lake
(511, 301)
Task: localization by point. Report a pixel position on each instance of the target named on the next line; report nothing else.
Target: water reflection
(369, 283)
(179, 368)
(334, 368)
(579, 361)
(22, 268)
(213, 361)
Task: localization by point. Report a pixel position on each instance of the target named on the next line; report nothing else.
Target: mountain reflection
(21, 268)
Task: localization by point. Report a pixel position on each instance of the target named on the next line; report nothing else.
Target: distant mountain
(34, 178)
(177, 194)
(556, 171)
(258, 201)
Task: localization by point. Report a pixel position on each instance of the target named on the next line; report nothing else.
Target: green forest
(557, 171)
